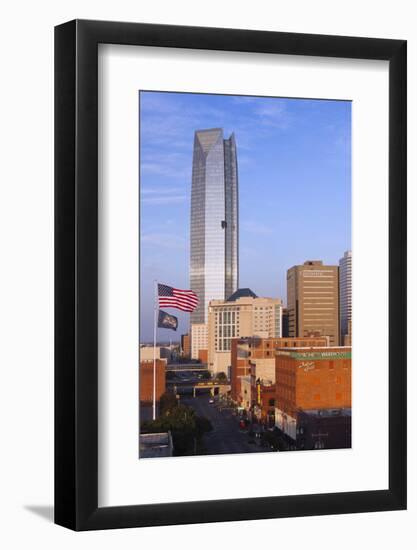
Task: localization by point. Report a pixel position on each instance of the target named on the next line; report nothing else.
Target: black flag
(165, 320)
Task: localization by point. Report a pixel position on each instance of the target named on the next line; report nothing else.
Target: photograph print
(245, 307)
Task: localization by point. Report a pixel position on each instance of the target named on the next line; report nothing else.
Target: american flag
(168, 296)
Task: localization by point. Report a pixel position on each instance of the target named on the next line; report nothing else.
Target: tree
(221, 377)
(167, 402)
(185, 427)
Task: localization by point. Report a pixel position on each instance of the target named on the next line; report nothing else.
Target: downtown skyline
(294, 180)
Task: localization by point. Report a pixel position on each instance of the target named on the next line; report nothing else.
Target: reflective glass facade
(214, 220)
(345, 292)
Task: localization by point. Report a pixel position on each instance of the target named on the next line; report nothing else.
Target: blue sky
(294, 163)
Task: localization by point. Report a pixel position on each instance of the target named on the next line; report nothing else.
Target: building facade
(347, 338)
(259, 354)
(161, 352)
(146, 385)
(186, 345)
(324, 429)
(198, 339)
(345, 290)
(214, 272)
(311, 380)
(155, 445)
(313, 300)
(285, 322)
(243, 314)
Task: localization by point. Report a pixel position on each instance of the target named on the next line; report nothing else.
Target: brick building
(324, 429)
(265, 402)
(261, 353)
(315, 381)
(146, 382)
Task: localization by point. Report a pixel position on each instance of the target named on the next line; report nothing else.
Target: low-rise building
(154, 445)
(146, 352)
(248, 389)
(324, 429)
(311, 379)
(146, 385)
(260, 352)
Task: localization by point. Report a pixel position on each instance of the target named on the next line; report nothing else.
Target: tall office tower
(313, 300)
(214, 273)
(345, 284)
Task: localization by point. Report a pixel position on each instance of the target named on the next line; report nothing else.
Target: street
(226, 438)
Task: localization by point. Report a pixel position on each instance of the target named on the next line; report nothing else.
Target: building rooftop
(328, 412)
(241, 293)
(313, 262)
(208, 137)
(334, 352)
(316, 348)
(155, 445)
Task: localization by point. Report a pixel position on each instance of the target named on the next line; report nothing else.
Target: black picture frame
(76, 272)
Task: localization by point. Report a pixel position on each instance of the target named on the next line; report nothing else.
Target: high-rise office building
(242, 314)
(214, 272)
(313, 300)
(345, 284)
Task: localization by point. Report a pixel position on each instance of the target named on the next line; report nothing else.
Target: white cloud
(273, 115)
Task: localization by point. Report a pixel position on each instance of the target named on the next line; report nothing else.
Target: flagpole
(154, 350)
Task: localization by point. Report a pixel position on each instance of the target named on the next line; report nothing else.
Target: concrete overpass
(183, 367)
(220, 388)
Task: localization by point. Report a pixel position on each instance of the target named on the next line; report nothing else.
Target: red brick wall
(262, 348)
(239, 367)
(146, 380)
(312, 384)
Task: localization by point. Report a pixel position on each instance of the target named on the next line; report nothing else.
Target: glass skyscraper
(214, 272)
(345, 279)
